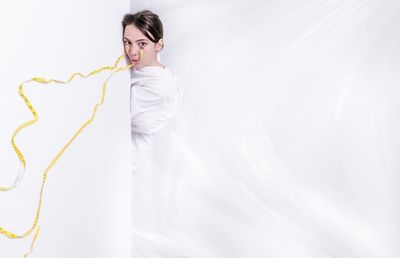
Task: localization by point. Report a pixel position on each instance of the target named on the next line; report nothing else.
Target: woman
(155, 99)
(155, 92)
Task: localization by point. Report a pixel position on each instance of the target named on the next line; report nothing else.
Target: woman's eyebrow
(125, 38)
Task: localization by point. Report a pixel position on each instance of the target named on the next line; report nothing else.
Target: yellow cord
(35, 118)
(33, 242)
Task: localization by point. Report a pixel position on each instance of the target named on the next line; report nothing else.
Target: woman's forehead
(132, 32)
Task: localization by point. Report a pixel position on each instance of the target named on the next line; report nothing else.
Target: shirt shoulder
(148, 76)
(155, 79)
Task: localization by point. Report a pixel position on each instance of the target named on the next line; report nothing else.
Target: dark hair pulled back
(147, 22)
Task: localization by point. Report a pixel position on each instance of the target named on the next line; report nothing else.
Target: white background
(86, 204)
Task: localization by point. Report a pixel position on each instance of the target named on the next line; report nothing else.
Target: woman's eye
(142, 44)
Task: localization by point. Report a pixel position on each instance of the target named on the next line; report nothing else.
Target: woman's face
(134, 40)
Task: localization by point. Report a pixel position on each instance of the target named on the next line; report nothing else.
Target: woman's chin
(137, 65)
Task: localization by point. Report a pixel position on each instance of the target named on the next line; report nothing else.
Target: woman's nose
(133, 50)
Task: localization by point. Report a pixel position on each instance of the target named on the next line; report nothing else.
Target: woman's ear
(159, 45)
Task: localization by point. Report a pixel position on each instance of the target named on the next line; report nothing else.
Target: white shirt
(155, 98)
(156, 95)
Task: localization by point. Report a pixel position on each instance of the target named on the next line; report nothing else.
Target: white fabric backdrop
(288, 137)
